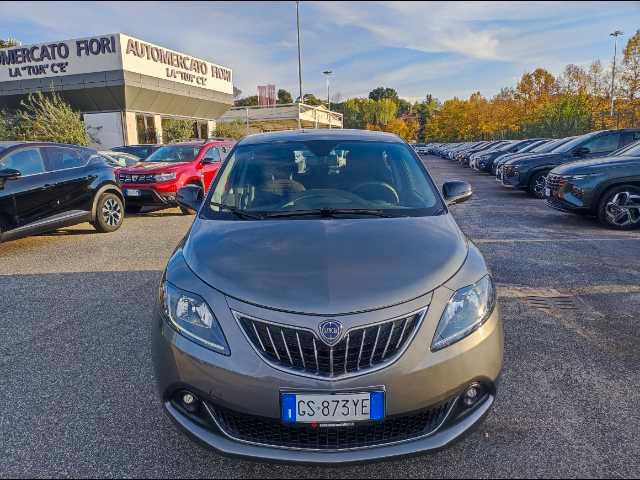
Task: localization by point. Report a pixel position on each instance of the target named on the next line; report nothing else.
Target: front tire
(537, 185)
(109, 213)
(619, 208)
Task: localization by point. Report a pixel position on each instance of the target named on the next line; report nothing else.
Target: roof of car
(15, 143)
(320, 134)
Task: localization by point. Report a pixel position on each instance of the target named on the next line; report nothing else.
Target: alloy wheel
(623, 209)
(539, 186)
(112, 212)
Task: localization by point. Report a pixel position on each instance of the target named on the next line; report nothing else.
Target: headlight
(466, 311)
(190, 315)
(164, 177)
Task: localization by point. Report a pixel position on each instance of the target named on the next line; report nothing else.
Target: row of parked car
(45, 186)
(595, 174)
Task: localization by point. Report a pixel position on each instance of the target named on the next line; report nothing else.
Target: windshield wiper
(328, 212)
(237, 211)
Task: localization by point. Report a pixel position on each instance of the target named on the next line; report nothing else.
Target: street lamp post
(328, 74)
(615, 36)
(299, 50)
(300, 98)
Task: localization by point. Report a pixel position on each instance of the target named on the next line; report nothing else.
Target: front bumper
(452, 430)
(150, 196)
(244, 382)
(510, 181)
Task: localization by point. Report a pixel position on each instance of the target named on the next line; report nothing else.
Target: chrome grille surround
(300, 351)
(136, 178)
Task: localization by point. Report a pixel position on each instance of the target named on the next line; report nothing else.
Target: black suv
(45, 186)
(530, 173)
(607, 187)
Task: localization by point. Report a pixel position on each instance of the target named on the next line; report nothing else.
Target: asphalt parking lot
(77, 392)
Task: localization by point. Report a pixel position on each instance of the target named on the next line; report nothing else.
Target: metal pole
(328, 73)
(299, 52)
(615, 36)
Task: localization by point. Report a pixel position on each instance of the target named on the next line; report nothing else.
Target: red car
(155, 181)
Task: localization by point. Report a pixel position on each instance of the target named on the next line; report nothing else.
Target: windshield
(530, 146)
(122, 159)
(175, 153)
(546, 147)
(325, 175)
(573, 143)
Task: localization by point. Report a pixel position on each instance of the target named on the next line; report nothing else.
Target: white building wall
(105, 129)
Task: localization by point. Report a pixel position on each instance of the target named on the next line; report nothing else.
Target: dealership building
(125, 88)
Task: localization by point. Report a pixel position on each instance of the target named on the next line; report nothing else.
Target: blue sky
(442, 48)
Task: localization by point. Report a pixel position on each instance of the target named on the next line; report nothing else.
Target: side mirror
(190, 197)
(456, 191)
(581, 151)
(9, 174)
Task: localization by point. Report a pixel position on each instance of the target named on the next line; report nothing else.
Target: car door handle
(48, 186)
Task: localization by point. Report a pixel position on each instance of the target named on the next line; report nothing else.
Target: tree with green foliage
(7, 127)
(425, 111)
(631, 68)
(381, 93)
(284, 97)
(251, 101)
(311, 99)
(235, 129)
(48, 118)
(174, 129)
(8, 43)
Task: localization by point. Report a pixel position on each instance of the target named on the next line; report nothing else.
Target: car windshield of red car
(174, 153)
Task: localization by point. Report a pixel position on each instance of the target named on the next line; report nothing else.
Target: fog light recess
(472, 394)
(189, 401)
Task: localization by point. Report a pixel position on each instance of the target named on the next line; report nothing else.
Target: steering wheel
(377, 191)
(313, 195)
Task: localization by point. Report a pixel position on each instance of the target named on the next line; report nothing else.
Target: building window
(146, 129)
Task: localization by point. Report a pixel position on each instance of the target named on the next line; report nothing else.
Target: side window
(603, 143)
(629, 137)
(212, 155)
(28, 161)
(61, 158)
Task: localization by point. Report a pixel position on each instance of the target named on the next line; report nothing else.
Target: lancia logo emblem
(330, 331)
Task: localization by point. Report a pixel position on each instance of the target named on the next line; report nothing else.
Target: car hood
(597, 165)
(326, 267)
(150, 167)
(539, 158)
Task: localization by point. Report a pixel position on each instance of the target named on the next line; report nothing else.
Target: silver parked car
(326, 312)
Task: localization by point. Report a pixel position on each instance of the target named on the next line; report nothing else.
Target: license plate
(547, 192)
(332, 408)
(132, 192)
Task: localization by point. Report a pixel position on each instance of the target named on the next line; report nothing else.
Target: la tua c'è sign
(178, 66)
(53, 58)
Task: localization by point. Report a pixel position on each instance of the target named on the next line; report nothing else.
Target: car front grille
(555, 182)
(135, 178)
(361, 349)
(274, 433)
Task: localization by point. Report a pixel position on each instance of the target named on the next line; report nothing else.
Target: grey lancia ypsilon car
(324, 306)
